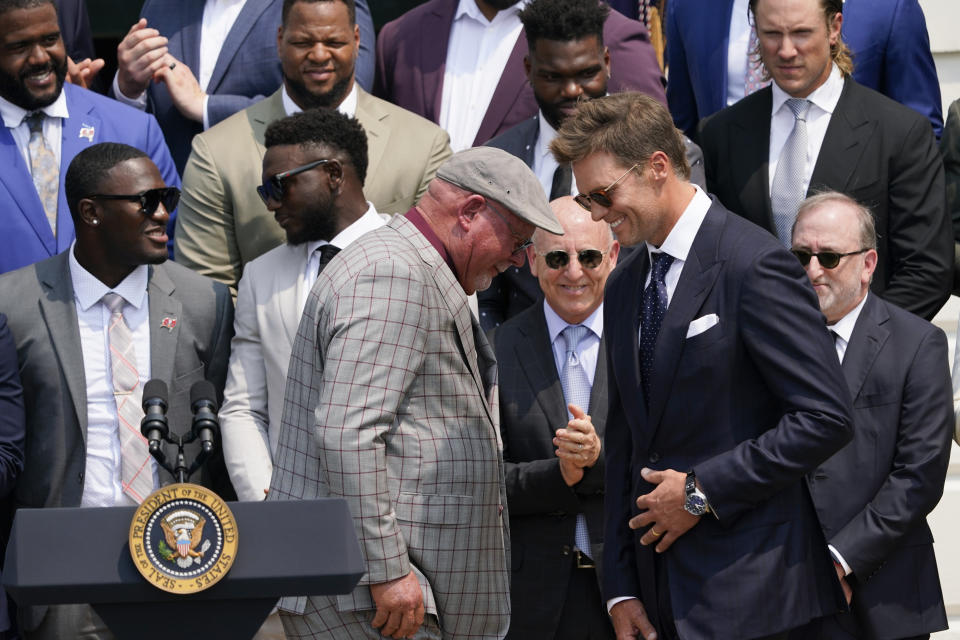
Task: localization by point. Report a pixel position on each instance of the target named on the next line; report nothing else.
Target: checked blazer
(390, 403)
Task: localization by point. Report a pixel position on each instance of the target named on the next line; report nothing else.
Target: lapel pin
(86, 131)
(168, 323)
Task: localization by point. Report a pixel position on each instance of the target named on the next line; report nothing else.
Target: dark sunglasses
(273, 187)
(589, 258)
(827, 259)
(522, 243)
(149, 200)
(601, 196)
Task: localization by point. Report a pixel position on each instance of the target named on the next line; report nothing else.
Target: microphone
(205, 427)
(154, 424)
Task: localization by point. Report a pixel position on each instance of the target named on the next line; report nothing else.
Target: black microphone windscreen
(203, 390)
(155, 389)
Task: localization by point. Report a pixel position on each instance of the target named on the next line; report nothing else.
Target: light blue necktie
(576, 390)
(788, 191)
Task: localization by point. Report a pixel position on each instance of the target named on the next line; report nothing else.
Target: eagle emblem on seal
(183, 533)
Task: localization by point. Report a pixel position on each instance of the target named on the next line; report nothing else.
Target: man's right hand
(630, 621)
(139, 57)
(399, 606)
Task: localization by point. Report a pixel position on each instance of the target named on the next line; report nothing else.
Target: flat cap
(500, 176)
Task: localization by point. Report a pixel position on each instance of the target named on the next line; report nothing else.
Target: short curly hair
(10, 5)
(87, 172)
(564, 20)
(288, 4)
(326, 127)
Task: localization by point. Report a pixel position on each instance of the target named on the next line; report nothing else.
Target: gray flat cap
(497, 175)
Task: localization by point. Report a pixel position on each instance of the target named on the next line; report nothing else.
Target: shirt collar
(844, 326)
(88, 290)
(684, 231)
(13, 115)
(347, 107)
(470, 9)
(369, 221)
(826, 96)
(556, 324)
(544, 137)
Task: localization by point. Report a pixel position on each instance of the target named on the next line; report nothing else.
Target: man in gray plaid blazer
(391, 403)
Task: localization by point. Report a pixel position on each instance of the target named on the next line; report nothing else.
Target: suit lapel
(435, 36)
(59, 312)
(598, 392)
(16, 179)
(869, 336)
(844, 142)
(376, 127)
(185, 43)
(625, 307)
(752, 168)
(535, 356)
(78, 132)
(165, 324)
(251, 11)
(512, 82)
(288, 298)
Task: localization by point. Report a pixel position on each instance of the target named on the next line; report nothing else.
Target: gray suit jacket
(222, 224)
(44, 325)
(391, 403)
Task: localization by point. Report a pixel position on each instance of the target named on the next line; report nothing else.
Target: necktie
(754, 80)
(837, 344)
(576, 390)
(136, 472)
(43, 168)
(562, 181)
(653, 307)
(788, 189)
(327, 252)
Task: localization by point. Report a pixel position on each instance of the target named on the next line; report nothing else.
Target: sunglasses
(272, 189)
(827, 259)
(601, 196)
(149, 200)
(522, 243)
(589, 258)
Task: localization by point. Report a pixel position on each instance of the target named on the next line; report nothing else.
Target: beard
(319, 223)
(14, 88)
(500, 5)
(307, 100)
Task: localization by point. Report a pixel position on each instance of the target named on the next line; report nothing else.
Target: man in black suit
(873, 496)
(724, 391)
(551, 356)
(12, 434)
(815, 128)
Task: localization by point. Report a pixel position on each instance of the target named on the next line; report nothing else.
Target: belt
(583, 560)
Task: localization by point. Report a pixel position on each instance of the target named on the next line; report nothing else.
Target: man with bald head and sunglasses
(873, 496)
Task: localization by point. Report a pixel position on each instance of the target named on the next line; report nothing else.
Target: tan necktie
(44, 169)
(136, 472)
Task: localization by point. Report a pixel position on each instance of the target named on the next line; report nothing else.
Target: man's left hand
(184, 89)
(664, 512)
(82, 73)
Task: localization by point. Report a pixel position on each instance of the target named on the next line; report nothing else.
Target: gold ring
(655, 533)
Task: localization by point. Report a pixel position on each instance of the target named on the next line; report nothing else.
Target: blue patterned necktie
(653, 307)
(787, 192)
(576, 390)
(43, 168)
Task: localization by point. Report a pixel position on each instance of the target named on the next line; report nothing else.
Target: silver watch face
(695, 504)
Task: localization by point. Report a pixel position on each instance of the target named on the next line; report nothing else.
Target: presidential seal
(183, 538)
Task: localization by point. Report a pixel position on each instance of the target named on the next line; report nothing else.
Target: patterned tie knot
(661, 264)
(572, 336)
(114, 302)
(799, 108)
(35, 121)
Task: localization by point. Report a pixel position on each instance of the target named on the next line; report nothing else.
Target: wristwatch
(696, 502)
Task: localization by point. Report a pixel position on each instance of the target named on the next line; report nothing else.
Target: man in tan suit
(221, 224)
(322, 209)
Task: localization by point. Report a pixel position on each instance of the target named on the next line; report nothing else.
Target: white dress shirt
(824, 99)
(15, 119)
(369, 221)
(347, 107)
(738, 44)
(589, 349)
(477, 53)
(544, 164)
(101, 480)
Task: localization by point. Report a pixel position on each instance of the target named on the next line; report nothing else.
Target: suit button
(566, 549)
(80, 477)
(654, 457)
(820, 476)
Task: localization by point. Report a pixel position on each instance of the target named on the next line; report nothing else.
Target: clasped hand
(663, 509)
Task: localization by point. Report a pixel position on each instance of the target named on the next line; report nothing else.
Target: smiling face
(573, 291)
(563, 74)
(33, 61)
(318, 50)
(489, 242)
(795, 42)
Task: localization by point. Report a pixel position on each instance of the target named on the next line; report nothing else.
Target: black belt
(583, 560)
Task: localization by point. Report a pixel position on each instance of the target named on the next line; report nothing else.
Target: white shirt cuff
(140, 102)
(206, 116)
(839, 558)
(617, 600)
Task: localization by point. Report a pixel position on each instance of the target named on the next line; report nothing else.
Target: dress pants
(842, 626)
(584, 614)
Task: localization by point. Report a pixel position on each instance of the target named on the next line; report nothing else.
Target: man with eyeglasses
(92, 325)
(873, 496)
(391, 403)
(723, 393)
(553, 388)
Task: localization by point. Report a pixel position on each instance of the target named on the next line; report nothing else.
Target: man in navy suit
(34, 227)
(163, 55)
(724, 391)
(888, 38)
(873, 496)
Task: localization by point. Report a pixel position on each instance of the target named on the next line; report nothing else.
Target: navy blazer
(751, 404)
(873, 496)
(25, 234)
(876, 151)
(891, 54)
(12, 434)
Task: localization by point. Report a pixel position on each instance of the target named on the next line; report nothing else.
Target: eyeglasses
(523, 243)
(589, 258)
(273, 187)
(827, 259)
(601, 196)
(149, 200)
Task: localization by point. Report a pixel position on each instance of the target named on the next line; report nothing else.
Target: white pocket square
(701, 324)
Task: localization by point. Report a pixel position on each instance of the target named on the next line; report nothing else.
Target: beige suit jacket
(222, 224)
